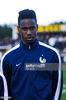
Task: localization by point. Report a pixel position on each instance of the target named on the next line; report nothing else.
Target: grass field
(63, 97)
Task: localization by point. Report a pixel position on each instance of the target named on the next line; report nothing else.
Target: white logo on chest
(42, 59)
(18, 64)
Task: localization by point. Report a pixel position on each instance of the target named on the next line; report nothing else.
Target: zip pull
(29, 47)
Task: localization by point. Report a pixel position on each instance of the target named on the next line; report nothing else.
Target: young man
(26, 66)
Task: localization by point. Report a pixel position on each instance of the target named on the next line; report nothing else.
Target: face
(28, 30)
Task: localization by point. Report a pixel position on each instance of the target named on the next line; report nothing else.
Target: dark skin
(28, 30)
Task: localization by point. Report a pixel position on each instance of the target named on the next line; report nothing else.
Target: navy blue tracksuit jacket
(26, 68)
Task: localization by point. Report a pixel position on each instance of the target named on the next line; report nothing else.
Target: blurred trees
(5, 31)
(60, 22)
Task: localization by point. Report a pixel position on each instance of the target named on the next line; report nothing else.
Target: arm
(3, 87)
(57, 78)
(5, 69)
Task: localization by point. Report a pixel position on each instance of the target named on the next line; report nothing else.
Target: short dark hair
(26, 14)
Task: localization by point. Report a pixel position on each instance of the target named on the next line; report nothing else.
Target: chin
(30, 42)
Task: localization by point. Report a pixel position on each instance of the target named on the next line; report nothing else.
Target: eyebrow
(31, 27)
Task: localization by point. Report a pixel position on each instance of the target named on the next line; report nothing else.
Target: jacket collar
(29, 46)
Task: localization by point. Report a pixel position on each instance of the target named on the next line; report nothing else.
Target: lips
(29, 38)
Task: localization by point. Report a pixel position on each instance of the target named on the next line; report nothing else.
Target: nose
(28, 32)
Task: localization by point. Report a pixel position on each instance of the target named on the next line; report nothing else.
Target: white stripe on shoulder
(14, 48)
(45, 45)
(57, 93)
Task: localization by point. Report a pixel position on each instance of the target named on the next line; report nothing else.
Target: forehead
(27, 22)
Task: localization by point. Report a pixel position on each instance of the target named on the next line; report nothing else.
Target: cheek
(35, 33)
(23, 35)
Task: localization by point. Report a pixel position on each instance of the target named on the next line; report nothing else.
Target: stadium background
(54, 35)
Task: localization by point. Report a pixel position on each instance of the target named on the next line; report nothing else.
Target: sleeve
(5, 69)
(57, 83)
(1, 88)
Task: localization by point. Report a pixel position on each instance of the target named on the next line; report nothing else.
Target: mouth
(29, 39)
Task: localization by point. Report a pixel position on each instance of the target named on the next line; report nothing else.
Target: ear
(18, 28)
(37, 27)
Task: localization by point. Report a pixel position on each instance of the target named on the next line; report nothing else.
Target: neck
(28, 43)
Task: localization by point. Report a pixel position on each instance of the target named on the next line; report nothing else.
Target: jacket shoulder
(51, 49)
(9, 52)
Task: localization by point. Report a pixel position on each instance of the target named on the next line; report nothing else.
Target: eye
(28, 28)
(24, 28)
(32, 28)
